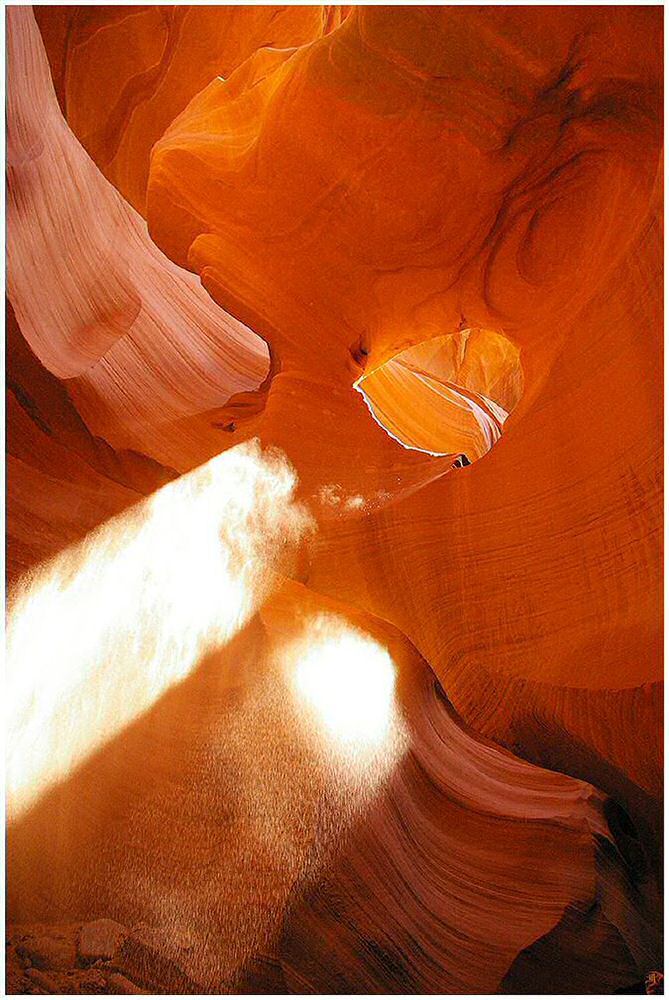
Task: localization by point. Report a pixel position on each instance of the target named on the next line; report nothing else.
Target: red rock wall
(219, 220)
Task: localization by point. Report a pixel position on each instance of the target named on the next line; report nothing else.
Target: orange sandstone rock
(450, 216)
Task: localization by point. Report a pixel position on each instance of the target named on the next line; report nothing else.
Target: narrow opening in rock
(450, 395)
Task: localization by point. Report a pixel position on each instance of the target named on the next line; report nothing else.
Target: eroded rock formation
(346, 712)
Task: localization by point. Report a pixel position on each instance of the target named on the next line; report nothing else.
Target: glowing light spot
(347, 682)
(103, 630)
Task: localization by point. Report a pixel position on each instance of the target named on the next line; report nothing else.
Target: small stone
(14, 975)
(101, 939)
(91, 983)
(43, 980)
(52, 952)
(118, 984)
(145, 957)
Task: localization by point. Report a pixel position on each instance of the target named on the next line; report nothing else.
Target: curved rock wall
(427, 757)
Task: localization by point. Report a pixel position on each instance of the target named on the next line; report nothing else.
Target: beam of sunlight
(98, 634)
(343, 684)
(349, 683)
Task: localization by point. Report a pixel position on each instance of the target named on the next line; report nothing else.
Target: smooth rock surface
(224, 223)
(100, 939)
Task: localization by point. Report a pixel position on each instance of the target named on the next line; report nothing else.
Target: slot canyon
(334, 499)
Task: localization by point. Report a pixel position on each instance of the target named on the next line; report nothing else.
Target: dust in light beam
(98, 634)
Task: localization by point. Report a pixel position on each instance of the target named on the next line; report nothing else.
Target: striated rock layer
(333, 394)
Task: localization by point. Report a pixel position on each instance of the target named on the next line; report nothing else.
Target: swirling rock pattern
(429, 760)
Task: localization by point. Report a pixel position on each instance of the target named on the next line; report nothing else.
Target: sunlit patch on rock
(347, 681)
(448, 395)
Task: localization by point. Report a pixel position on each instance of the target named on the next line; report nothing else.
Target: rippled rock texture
(334, 499)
